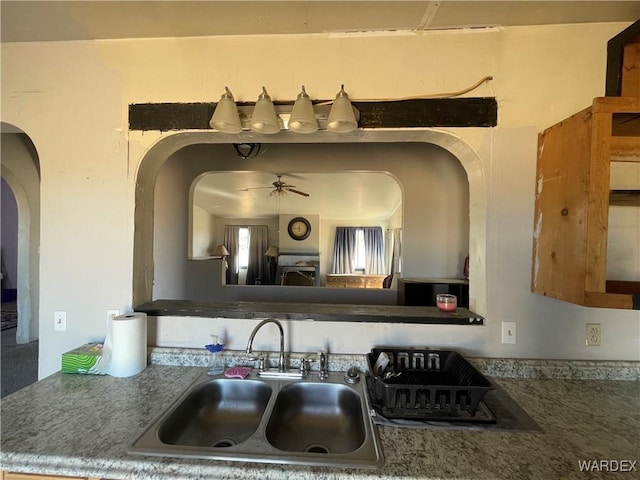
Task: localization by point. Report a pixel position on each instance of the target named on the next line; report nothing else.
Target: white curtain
(374, 251)
(393, 249)
(344, 250)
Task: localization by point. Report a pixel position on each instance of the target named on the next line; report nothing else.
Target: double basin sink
(304, 421)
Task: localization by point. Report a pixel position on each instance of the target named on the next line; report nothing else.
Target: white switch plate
(508, 332)
(60, 321)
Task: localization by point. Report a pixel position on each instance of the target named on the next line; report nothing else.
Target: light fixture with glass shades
(303, 118)
(341, 118)
(226, 118)
(264, 118)
(337, 116)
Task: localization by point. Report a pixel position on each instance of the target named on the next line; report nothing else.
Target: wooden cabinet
(339, 280)
(573, 196)
(31, 476)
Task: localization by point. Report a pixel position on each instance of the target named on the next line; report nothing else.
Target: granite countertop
(81, 425)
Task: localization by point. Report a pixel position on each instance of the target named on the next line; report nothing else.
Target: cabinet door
(29, 476)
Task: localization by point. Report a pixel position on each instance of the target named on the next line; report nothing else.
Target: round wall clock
(299, 228)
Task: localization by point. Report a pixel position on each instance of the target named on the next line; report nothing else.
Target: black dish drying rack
(425, 384)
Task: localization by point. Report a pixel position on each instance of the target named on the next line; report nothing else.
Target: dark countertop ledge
(312, 311)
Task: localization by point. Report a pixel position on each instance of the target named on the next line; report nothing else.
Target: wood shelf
(573, 199)
(624, 198)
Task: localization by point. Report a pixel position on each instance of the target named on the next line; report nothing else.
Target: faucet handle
(305, 366)
(324, 365)
(261, 362)
(352, 376)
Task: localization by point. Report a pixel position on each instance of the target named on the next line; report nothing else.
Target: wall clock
(299, 228)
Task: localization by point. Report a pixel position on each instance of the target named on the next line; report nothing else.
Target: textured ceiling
(344, 195)
(24, 21)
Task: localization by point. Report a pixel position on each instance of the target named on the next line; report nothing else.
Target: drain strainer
(317, 448)
(224, 442)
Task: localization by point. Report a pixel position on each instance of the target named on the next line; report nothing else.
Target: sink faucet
(324, 366)
(281, 366)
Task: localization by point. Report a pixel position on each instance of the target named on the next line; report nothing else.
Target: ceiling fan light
(226, 118)
(264, 118)
(342, 118)
(303, 118)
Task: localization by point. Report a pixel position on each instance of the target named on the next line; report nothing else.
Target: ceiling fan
(279, 188)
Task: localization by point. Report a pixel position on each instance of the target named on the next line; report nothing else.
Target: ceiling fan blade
(252, 188)
(291, 175)
(296, 191)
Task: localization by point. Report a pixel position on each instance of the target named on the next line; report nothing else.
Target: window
(243, 247)
(359, 249)
(361, 258)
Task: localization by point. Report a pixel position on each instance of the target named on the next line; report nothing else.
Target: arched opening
(21, 171)
(173, 142)
(21, 179)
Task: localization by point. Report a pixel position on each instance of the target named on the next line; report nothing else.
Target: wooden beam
(616, 58)
(631, 69)
(625, 287)
(624, 198)
(625, 149)
(616, 105)
(432, 112)
(610, 300)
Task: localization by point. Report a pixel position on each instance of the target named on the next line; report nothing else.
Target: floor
(18, 363)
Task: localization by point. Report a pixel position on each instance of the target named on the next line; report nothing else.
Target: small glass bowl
(446, 302)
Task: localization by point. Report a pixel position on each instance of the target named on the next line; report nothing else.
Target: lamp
(272, 251)
(341, 117)
(303, 118)
(225, 117)
(264, 118)
(219, 251)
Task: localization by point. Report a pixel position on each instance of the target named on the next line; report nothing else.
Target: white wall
(203, 232)
(71, 99)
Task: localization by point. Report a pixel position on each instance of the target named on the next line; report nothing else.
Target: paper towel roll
(127, 342)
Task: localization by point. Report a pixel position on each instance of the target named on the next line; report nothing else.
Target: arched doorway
(21, 172)
(169, 143)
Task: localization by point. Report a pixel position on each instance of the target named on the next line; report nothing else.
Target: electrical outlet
(60, 321)
(111, 314)
(594, 334)
(508, 332)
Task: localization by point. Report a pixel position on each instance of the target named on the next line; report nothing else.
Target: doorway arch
(21, 170)
(171, 142)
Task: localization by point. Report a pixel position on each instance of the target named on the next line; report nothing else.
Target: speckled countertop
(81, 425)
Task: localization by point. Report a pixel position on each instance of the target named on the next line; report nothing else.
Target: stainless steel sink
(288, 421)
(317, 417)
(219, 413)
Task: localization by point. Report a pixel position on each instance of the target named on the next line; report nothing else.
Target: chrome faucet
(281, 366)
(324, 366)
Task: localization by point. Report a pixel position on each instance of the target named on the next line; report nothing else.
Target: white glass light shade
(226, 118)
(341, 117)
(303, 118)
(264, 118)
